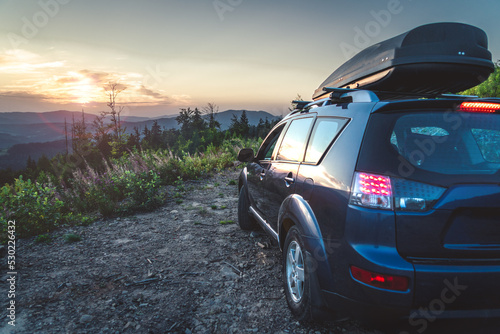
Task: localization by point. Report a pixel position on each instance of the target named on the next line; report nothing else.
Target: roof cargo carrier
(431, 59)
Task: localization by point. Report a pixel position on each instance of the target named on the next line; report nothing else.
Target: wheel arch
(242, 179)
(295, 211)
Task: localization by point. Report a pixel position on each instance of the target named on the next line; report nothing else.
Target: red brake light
(484, 107)
(389, 282)
(371, 191)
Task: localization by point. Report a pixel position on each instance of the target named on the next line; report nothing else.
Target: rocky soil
(185, 268)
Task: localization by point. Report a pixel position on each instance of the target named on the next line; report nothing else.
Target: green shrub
(35, 207)
(43, 238)
(70, 237)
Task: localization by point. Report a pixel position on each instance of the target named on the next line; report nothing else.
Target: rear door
(283, 173)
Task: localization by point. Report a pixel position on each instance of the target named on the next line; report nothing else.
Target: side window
(324, 132)
(267, 148)
(292, 147)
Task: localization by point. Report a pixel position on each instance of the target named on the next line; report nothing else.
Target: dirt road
(185, 268)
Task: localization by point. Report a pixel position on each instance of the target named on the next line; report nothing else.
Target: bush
(36, 208)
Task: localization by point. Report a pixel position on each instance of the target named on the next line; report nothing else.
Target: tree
(489, 88)
(234, 128)
(244, 124)
(119, 140)
(134, 140)
(30, 164)
(211, 110)
(80, 136)
(112, 90)
(190, 121)
(101, 135)
(156, 135)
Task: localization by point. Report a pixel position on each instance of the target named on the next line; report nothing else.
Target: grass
(43, 238)
(213, 207)
(226, 222)
(202, 211)
(232, 183)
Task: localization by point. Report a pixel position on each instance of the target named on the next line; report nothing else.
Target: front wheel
(245, 221)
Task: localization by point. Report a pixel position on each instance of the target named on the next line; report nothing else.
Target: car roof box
(431, 59)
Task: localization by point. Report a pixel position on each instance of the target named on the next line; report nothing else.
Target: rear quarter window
(324, 132)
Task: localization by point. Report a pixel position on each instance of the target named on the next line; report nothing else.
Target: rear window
(441, 147)
(447, 143)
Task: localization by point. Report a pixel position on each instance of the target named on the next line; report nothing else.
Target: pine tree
(244, 124)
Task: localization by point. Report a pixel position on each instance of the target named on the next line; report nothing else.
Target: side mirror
(246, 155)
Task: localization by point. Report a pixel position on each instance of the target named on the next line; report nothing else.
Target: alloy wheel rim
(295, 271)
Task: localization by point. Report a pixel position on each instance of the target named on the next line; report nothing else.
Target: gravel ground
(185, 268)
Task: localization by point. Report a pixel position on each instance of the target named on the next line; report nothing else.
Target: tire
(245, 221)
(298, 278)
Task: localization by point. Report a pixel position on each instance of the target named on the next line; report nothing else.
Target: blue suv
(384, 203)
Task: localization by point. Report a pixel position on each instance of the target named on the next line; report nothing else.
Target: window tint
(267, 147)
(325, 130)
(292, 147)
(440, 143)
(488, 141)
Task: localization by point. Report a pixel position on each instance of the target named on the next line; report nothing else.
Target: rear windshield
(446, 143)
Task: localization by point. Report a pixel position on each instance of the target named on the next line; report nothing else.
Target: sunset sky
(170, 54)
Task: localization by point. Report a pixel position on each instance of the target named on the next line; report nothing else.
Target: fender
(296, 209)
(242, 180)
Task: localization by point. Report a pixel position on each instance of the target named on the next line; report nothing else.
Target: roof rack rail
(336, 93)
(299, 104)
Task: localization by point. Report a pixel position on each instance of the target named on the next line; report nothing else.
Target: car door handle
(289, 179)
(262, 174)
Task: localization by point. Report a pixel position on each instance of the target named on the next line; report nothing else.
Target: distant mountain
(224, 117)
(18, 154)
(33, 134)
(53, 117)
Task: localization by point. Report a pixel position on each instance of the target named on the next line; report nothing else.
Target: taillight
(415, 196)
(481, 107)
(382, 192)
(372, 191)
(389, 282)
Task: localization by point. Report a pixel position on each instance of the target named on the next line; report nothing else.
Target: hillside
(34, 134)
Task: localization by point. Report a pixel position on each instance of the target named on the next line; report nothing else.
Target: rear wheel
(296, 276)
(245, 221)
(302, 290)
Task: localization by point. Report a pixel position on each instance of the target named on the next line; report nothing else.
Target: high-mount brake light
(480, 107)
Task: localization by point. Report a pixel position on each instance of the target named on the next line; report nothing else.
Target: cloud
(24, 95)
(98, 78)
(148, 92)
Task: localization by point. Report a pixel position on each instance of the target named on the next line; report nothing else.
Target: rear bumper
(361, 310)
(436, 290)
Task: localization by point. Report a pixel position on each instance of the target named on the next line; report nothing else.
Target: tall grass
(128, 184)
